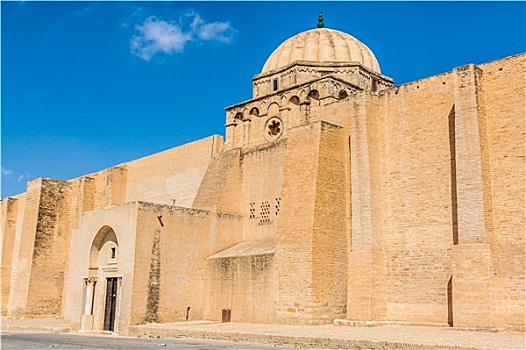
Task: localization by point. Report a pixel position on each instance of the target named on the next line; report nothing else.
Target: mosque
(335, 197)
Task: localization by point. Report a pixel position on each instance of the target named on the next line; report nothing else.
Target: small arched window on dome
(294, 100)
(313, 94)
(254, 112)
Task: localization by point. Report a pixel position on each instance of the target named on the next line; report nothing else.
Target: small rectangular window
(374, 85)
(275, 84)
(113, 252)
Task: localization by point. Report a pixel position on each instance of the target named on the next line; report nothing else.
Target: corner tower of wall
(9, 215)
(40, 250)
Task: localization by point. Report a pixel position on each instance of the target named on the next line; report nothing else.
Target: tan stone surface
(334, 196)
(323, 336)
(321, 45)
(342, 337)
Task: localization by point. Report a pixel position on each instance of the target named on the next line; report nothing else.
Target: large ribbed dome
(321, 45)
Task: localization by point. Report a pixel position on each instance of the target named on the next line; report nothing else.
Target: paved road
(40, 341)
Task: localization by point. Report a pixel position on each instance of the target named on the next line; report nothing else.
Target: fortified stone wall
(169, 280)
(171, 177)
(331, 226)
(220, 190)
(416, 179)
(87, 262)
(9, 213)
(504, 104)
(416, 139)
(38, 254)
(50, 250)
(311, 239)
(400, 205)
(242, 281)
(262, 169)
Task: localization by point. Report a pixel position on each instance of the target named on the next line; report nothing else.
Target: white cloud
(6, 171)
(220, 31)
(23, 176)
(156, 35)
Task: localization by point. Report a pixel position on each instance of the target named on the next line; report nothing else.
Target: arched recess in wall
(313, 95)
(294, 104)
(254, 112)
(238, 116)
(101, 287)
(273, 109)
(106, 242)
(294, 100)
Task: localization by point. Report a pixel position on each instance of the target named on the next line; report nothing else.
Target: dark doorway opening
(226, 315)
(111, 303)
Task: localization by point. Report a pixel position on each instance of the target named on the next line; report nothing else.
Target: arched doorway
(102, 285)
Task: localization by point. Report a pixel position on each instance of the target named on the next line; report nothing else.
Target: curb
(19, 328)
(300, 341)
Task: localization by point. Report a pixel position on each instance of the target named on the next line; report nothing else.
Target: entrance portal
(111, 302)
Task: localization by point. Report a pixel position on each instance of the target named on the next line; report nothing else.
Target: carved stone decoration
(90, 280)
(273, 129)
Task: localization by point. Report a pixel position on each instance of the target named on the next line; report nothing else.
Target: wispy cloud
(22, 177)
(6, 171)
(86, 10)
(156, 35)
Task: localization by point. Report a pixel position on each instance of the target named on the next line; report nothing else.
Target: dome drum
(301, 72)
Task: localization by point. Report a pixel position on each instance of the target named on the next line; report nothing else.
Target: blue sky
(88, 85)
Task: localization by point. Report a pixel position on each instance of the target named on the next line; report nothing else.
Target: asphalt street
(40, 341)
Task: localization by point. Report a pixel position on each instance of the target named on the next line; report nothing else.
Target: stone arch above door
(102, 286)
(104, 248)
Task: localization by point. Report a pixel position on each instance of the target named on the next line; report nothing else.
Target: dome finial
(320, 20)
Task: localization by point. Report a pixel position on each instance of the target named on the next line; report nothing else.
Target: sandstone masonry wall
(311, 252)
(9, 212)
(504, 104)
(262, 174)
(186, 238)
(171, 177)
(416, 183)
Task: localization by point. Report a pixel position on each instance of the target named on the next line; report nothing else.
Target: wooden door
(111, 302)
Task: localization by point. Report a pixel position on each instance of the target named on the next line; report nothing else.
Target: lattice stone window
(277, 206)
(252, 210)
(264, 212)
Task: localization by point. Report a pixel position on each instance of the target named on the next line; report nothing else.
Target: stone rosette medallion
(273, 129)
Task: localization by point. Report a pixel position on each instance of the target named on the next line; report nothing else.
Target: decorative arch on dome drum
(273, 109)
(294, 100)
(254, 112)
